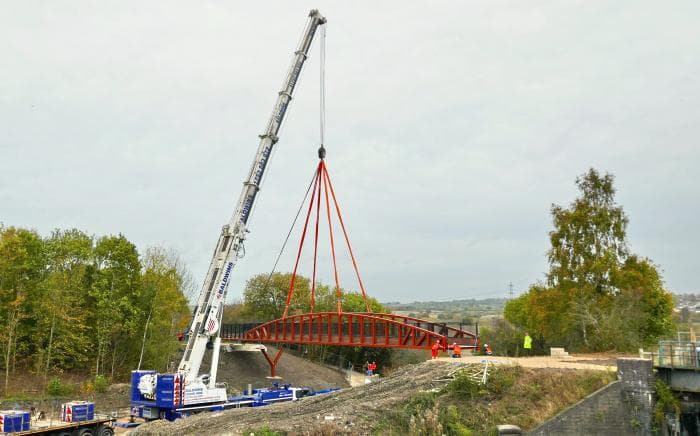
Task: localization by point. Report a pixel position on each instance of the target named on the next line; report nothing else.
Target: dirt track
(600, 362)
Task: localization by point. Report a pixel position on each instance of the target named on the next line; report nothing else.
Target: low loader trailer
(171, 398)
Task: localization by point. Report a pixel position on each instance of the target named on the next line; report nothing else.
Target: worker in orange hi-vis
(456, 350)
(434, 350)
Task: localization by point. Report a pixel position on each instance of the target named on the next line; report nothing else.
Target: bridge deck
(353, 329)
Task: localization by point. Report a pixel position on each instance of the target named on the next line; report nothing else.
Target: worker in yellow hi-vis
(527, 344)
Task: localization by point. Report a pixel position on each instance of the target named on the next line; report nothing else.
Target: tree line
(76, 302)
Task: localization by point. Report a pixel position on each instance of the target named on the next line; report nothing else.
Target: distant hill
(465, 311)
(471, 303)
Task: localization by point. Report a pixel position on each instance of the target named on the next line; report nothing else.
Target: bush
(101, 383)
(451, 421)
(500, 380)
(666, 402)
(87, 388)
(57, 388)
(414, 417)
(464, 388)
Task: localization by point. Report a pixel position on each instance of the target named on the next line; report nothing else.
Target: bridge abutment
(624, 407)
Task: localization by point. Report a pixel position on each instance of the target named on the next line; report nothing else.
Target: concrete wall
(623, 407)
(638, 390)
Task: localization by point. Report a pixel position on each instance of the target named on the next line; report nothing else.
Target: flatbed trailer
(167, 402)
(93, 427)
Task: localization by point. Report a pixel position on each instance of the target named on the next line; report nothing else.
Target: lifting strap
(322, 183)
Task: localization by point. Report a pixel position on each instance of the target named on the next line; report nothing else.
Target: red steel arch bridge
(339, 328)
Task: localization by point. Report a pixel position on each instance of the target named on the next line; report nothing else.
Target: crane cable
(289, 233)
(320, 181)
(322, 86)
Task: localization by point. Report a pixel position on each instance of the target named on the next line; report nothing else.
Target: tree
(164, 283)
(63, 328)
(597, 295)
(588, 240)
(639, 281)
(265, 296)
(21, 270)
(69, 301)
(115, 292)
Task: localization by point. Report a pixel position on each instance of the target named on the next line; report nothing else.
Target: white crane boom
(204, 328)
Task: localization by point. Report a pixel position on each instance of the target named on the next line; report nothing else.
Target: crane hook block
(322, 152)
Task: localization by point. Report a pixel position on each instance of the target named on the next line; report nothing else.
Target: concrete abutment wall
(623, 407)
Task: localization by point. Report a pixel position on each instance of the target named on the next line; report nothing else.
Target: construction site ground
(358, 410)
(594, 361)
(350, 411)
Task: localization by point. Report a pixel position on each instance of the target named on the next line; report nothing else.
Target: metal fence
(676, 354)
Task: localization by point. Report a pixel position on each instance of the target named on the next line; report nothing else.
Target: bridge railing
(676, 354)
(236, 331)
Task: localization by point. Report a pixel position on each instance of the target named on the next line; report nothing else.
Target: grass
(512, 395)
(263, 431)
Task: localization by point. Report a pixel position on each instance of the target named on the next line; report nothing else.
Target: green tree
(21, 271)
(639, 283)
(588, 240)
(115, 292)
(587, 246)
(164, 285)
(265, 296)
(68, 302)
(62, 325)
(597, 295)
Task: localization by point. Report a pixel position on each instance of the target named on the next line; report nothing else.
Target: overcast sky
(451, 129)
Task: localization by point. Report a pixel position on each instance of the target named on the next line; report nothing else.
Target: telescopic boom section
(207, 315)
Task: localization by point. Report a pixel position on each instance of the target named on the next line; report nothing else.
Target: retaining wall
(623, 407)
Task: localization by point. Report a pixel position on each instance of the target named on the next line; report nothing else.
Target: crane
(196, 388)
